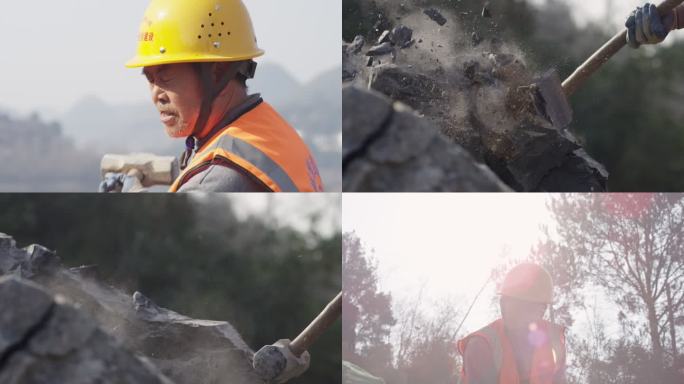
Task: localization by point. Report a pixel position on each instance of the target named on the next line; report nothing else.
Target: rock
(529, 154)
(384, 37)
(363, 126)
(436, 16)
(401, 84)
(356, 45)
(212, 350)
(55, 343)
(27, 262)
(390, 149)
(578, 173)
(486, 13)
(381, 49)
(15, 324)
(476, 39)
(401, 36)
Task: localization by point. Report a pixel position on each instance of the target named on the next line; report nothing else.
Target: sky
(292, 209)
(447, 244)
(585, 11)
(57, 52)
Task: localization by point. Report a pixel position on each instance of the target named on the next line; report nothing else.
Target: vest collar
(249, 104)
(194, 145)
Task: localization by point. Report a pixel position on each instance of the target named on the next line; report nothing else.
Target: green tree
(632, 246)
(367, 312)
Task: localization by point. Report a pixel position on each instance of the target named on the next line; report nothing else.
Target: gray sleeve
(220, 178)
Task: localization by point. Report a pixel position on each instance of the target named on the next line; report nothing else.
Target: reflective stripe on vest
(492, 334)
(264, 145)
(228, 146)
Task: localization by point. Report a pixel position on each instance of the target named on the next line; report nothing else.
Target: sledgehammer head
(551, 101)
(278, 364)
(269, 362)
(156, 170)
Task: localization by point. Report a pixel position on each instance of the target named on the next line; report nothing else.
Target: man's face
(520, 315)
(176, 94)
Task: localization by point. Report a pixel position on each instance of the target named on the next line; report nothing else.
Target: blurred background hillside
(268, 265)
(88, 104)
(628, 114)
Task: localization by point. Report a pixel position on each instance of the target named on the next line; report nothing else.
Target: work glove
(122, 182)
(645, 26)
(295, 366)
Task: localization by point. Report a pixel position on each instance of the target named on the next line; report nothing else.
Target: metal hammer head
(269, 362)
(277, 363)
(156, 170)
(551, 101)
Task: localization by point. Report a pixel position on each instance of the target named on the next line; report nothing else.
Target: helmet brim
(148, 61)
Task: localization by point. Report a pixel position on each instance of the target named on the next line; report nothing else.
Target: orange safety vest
(546, 361)
(262, 143)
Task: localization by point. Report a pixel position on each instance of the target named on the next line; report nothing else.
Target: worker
(197, 57)
(521, 347)
(646, 26)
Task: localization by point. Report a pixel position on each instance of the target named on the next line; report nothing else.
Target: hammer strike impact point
(287, 359)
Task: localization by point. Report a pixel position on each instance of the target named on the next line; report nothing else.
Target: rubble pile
(63, 321)
(477, 92)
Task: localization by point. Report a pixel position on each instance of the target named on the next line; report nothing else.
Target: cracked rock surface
(183, 349)
(387, 147)
(45, 340)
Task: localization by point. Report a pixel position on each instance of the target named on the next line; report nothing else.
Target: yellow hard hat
(182, 31)
(528, 282)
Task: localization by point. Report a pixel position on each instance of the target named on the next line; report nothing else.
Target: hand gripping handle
(608, 50)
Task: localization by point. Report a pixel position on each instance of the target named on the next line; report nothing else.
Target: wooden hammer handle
(572, 83)
(320, 324)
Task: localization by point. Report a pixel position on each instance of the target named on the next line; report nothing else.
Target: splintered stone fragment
(381, 49)
(384, 37)
(486, 13)
(401, 36)
(476, 39)
(435, 15)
